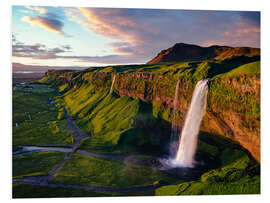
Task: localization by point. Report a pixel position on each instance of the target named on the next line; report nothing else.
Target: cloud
(25, 11)
(113, 23)
(251, 17)
(40, 10)
(67, 47)
(40, 68)
(144, 32)
(14, 40)
(46, 19)
(107, 59)
(137, 35)
(41, 51)
(38, 51)
(53, 25)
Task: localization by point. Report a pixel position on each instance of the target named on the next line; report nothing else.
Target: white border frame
(168, 4)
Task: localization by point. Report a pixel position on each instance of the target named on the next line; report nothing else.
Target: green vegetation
(47, 80)
(30, 191)
(236, 173)
(85, 170)
(91, 107)
(61, 114)
(63, 87)
(110, 120)
(246, 69)
(207, 148)
(35, 118)
(239, 92)
(243, 186)
(137, 117)
(35, 164)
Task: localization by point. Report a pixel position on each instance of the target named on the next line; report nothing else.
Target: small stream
(35, 149)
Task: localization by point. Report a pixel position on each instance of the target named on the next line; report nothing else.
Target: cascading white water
(175, 127)
(188, 141)
(112, 84)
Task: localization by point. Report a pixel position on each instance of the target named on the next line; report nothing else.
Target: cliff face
(233, 108)
(188, 52)
(235, 115)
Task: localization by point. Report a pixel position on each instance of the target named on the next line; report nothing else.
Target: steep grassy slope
(233, 100)
(110, 120)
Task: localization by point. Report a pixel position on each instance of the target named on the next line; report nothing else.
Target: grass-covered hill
(138, 113)
(189, 52)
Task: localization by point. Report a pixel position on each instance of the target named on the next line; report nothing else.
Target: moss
(35, 164)
(252, 68)
(210, 149)
(236, 175)
(234, 158)
(47, 79)
(36, 119)
(225, 96)
(63, 87)
(85, 170)
(30, 191)
(167, 190)
(61, 114)
(243, 186)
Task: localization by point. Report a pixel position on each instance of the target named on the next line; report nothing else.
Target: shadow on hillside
(149, 135)
(229, 64)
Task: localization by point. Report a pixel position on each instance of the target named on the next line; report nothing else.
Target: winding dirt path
(78, 136)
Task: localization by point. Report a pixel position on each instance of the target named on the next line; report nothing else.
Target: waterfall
(112, 84)
(189, 136)
(175, 127)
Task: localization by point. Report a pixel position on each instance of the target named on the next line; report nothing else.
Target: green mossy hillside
(234, 88)
(112, 122)
(35, 119)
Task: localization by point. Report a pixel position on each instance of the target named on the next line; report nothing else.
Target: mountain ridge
(181, 52)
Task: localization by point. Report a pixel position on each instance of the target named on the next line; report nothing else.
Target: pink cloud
(52, 25)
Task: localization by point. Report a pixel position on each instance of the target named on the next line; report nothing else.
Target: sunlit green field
(30, 191)
(35, 164)
(85, 170)
(36, 119)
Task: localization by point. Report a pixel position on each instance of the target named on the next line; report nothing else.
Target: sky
(80, 37)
